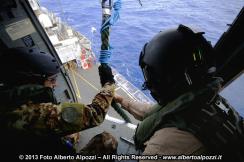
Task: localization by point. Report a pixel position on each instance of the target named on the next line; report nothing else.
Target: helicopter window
(234, 93)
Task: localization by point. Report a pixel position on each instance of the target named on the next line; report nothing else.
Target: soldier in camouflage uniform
(31, 120)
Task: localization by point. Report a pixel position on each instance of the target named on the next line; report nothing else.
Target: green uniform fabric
(17, 96)
(153, 120)
(36, 128)
(49, 118)
(206, 115)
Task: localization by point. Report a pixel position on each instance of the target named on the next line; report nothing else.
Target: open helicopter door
(230, 51)
(19, 27)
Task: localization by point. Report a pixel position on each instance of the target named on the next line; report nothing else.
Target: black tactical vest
(17, 96)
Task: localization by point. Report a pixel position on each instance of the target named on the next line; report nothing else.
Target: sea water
(138, 24)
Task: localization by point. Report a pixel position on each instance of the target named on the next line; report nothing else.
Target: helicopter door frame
(230, 51)
(40, 30)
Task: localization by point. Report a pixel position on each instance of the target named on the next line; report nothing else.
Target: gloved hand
(105, 74)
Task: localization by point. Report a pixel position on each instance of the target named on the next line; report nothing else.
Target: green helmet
(26, 65)
(174, 61)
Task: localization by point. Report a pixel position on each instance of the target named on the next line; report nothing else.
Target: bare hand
(119, 99)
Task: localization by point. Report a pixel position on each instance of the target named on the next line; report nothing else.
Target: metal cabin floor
(87, 85)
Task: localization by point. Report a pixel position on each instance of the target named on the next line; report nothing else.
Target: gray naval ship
(25, 23)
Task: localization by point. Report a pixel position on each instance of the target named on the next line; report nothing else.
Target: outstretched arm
(63, 119)
(66, 118)
(137, 109)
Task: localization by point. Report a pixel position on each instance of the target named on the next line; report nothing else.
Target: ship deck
(87, 85)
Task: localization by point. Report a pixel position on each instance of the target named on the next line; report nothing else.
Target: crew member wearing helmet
(32, 122)
(190, 118)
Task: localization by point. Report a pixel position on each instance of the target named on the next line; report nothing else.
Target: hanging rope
(106, 52)
(114, 17)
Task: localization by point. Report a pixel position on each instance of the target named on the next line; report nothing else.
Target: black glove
(105, 74)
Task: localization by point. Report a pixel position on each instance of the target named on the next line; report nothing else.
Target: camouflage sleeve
(63, 119)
